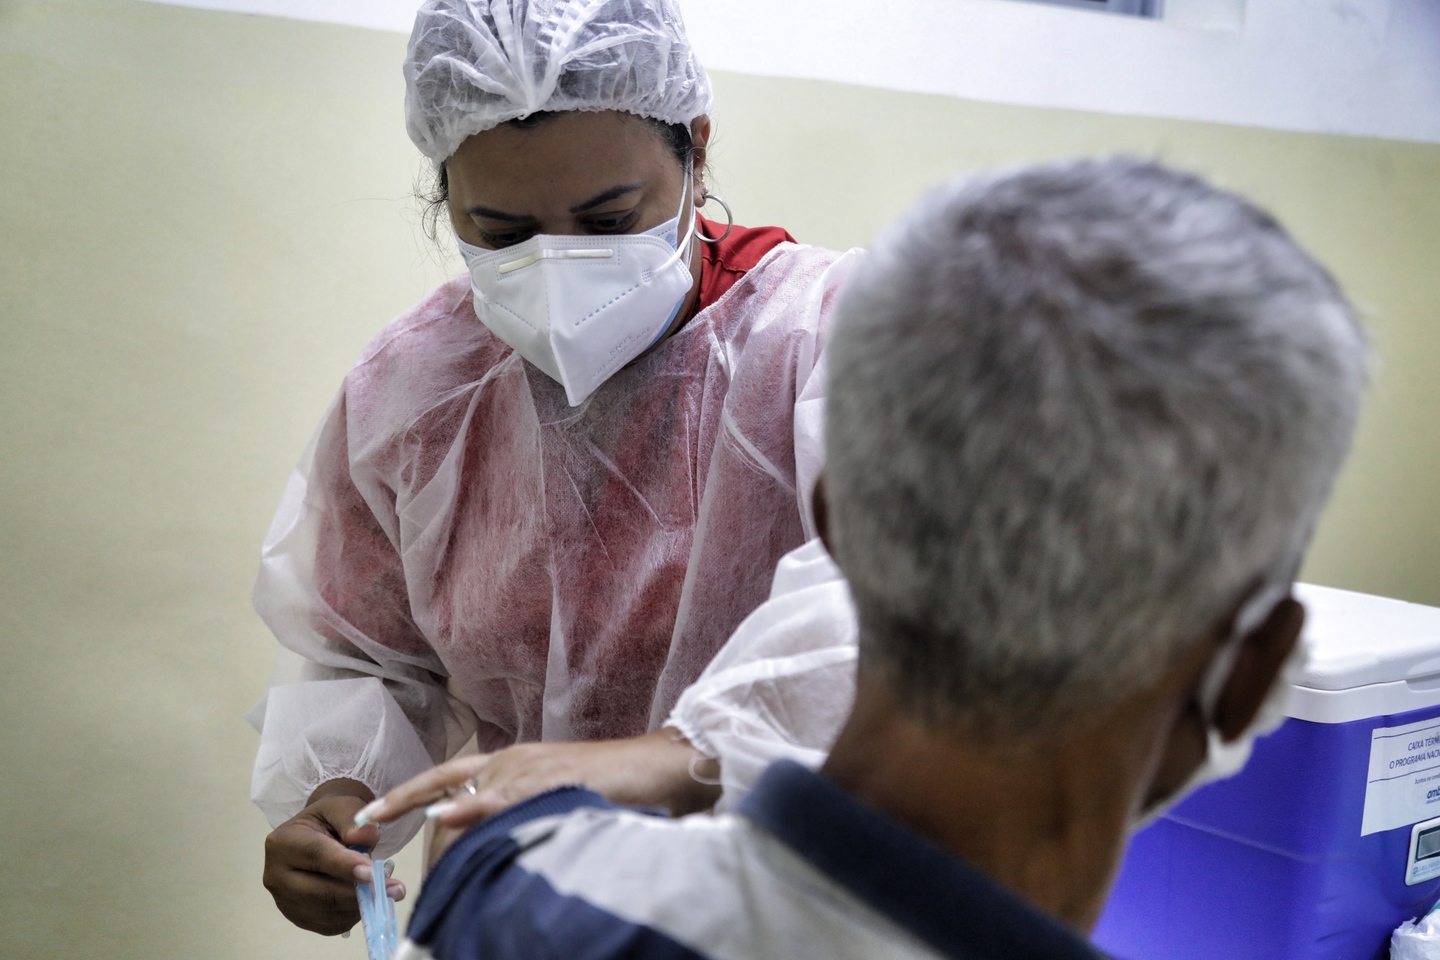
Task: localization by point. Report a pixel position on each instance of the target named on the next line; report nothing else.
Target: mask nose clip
(591, 253)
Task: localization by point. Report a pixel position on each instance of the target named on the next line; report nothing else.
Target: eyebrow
(595, 201)
(606, 197)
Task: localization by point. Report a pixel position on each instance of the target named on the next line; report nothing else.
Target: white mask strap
(687, 195)
(1224, 759)
(1255, 611)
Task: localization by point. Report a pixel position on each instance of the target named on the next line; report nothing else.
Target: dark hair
(434, 195)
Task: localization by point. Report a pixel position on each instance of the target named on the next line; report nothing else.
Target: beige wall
(834, 163)
(202, 218)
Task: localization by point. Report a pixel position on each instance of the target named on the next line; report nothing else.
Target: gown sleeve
(810, 440)
(357, 691)
(784, 682)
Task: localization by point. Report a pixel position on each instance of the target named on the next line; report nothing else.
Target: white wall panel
(1359, 67)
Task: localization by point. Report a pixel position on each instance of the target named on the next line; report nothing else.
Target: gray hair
(1076, 412)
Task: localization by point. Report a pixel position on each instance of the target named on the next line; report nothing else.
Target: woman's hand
(308, 869)
(653, 771)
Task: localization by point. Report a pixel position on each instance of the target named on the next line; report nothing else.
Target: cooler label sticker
(1403, 786)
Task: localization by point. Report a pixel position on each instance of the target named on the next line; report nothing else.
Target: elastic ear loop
(698, 778)
(1251, 615)
(683, 250)
(729, 220)
(1212, 685)
(694, 775)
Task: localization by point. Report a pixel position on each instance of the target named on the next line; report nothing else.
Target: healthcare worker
(545, 496)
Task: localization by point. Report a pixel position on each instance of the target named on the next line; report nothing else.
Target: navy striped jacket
(802, 869)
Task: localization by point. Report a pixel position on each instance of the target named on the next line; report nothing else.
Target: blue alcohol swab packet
(377, 913)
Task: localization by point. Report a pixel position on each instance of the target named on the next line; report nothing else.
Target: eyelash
(618, 223)
(501, 240)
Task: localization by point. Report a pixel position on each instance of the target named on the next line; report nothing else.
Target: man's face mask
(1225, 759)
(582, 307)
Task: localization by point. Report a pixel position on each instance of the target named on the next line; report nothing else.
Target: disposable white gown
(783, 685)
(461, 553)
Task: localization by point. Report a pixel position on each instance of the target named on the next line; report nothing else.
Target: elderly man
(1082, 420)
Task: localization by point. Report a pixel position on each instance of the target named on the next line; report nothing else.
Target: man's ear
(1262, 654)
(1258, 662)
(820, 510)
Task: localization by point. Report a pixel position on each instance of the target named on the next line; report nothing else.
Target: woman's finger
(429, 787)
(301, 846)
(466, 810)
(316, 902)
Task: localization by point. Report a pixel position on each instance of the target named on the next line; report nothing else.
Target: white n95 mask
(1225, 759)
(582, 307)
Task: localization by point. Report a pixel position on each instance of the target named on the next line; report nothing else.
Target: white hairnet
(474, 64)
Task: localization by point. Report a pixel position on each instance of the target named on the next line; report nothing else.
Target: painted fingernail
(369, 812)
(440, 809)
(389, 868)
